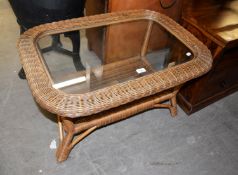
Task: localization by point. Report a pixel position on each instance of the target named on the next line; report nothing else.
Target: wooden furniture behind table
(215, 23)
(109, 43)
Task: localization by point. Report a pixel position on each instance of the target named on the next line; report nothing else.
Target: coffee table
(104, 93)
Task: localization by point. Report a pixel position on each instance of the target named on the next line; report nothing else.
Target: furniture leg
(173, 106)
(82, 127)
(75, 39)
(56, 45)
(65, 145)
(173, 101)
(21, 74)
(68, 142)
(61, 131)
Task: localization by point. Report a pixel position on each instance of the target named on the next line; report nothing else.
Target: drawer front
(224, 74)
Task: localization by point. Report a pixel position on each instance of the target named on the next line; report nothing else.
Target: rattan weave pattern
(77, 105)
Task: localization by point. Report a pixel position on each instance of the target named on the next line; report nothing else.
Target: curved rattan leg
(67, 141)
(64, 148)
(61, 131)
(173, 102)
(65, 145)
(173, 108)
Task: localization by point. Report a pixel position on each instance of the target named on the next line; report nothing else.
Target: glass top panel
(109, 55)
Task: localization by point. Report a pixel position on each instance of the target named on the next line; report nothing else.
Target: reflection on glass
(100, 67)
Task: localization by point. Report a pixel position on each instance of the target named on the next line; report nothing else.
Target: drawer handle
(223, 84)
(165, 4)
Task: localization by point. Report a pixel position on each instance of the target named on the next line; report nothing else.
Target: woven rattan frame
(77, 105)
(98, 106)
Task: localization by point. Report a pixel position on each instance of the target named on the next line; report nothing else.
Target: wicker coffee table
(103, 93)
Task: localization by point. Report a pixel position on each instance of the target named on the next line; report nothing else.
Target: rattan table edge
(76, 105)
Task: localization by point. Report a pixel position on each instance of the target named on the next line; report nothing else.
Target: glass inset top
(109, 55)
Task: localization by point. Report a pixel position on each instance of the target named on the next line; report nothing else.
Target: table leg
(82, 127)
(173, 106)
(61, 131)
(67, 142)
(65, 147)
(173, 101)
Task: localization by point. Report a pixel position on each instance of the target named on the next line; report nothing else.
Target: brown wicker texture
(72, 131)
(130, 97)
(75, 105)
